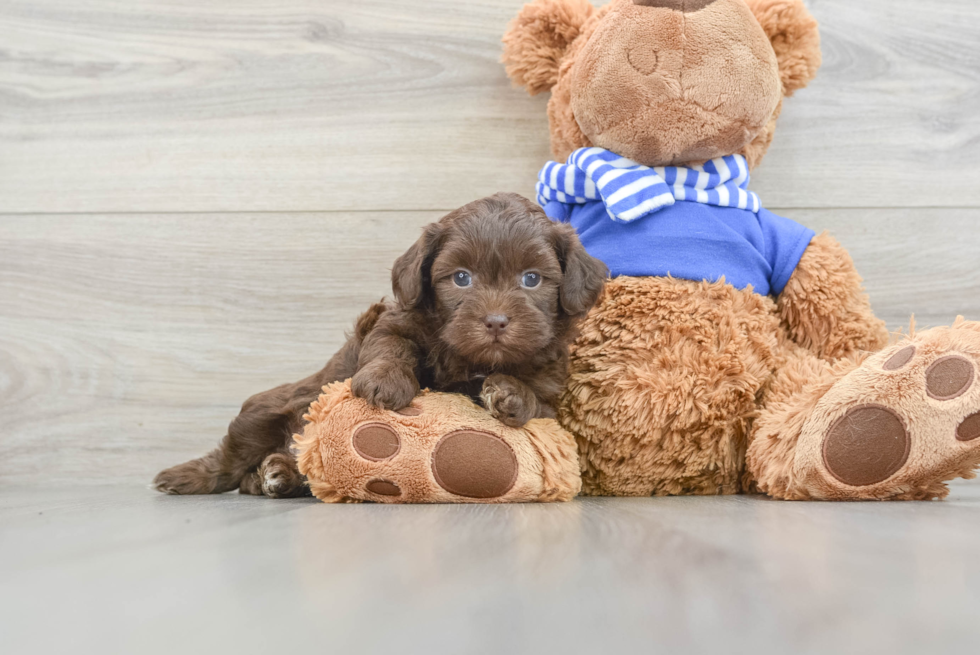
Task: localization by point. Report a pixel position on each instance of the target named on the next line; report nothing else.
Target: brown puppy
(486, 302)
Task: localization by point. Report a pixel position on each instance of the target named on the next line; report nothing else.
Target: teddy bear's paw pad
(969, 429)
(898, 361)
(866, 446)
(383, 488)
(902, 424)
(949, 377)
(474, 464)
(376, 442)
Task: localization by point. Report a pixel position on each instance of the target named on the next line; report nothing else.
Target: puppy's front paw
(387, 387)
(508, 400)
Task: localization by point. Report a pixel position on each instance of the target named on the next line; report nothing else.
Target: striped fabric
(631, 191)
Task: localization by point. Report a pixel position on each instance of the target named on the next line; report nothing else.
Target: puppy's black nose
(496, 324)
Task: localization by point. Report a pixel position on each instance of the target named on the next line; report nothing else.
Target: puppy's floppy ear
(410, 276)
(795, 36)
(583, 275)
(538, 38)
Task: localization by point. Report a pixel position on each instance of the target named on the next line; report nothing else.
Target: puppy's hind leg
(251, 484)
(254, 457)
(194, 477)
(215, 473)
(262, 427)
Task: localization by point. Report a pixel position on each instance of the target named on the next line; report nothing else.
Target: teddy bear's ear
(795, 36)
(538, 38)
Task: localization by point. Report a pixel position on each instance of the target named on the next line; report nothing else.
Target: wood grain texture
(116, 106)
(123, 337)
(127, 342)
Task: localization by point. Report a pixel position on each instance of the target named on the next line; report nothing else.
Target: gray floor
(120, 569)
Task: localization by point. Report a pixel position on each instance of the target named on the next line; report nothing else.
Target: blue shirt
(692, 241)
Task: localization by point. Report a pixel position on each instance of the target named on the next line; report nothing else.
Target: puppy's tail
(367, 320)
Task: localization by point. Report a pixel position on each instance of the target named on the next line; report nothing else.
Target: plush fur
(679, 387)
(660, 86)
(535, 51)
(663, 385)
(809, 395)
(824, 308)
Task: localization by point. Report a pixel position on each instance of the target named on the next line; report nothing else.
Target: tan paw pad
(474, 464)
(383, 488)
(900, 359)
(866, 446)
(969, 429)
(949, 377)
(376, 442)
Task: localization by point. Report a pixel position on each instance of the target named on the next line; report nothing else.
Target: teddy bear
(734, 350)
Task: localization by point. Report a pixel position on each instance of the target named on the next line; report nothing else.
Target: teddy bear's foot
(900, 425)
(442, 448)
(466, 463)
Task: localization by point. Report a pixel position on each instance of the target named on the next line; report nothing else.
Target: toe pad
(949, 378)
(383, 488)
(474, 464)
(867, 445)
(969, 429)
(900, 359)
(376, 441)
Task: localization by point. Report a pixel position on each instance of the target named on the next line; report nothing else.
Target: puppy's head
(500, 278)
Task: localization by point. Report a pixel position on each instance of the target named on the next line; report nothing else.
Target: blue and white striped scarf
(631, 191)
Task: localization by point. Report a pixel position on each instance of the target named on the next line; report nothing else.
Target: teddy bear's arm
(824, 307)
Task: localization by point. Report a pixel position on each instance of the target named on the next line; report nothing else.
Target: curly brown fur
(788, 400)
(681, 387)
(439, 334)
(663, 382)
(824, 307)
(496, 335)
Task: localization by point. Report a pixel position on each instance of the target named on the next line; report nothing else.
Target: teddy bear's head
(664, 82)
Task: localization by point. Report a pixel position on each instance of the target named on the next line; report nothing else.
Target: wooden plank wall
(196, 198)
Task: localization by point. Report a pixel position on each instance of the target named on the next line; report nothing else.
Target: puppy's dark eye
(462, 279)
(531, 280)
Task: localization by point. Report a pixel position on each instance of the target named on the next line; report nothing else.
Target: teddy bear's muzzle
(686, 6)
(672, 99)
